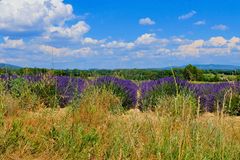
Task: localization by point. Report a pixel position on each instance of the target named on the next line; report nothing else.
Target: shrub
(125, 89)
(212, 95)
(68, 88)
(152, 91)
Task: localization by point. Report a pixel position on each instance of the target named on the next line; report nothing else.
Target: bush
(153, 91)
(126, 90)
(68, 88)
(151, 100)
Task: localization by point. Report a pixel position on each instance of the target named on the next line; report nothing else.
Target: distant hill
(9, 66)
(218, 67)
(209, 67)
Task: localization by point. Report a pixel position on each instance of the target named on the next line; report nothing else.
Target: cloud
(12, 43)
(217, 41)
(53, 50)
(92, 41)
(146, 38)
(85, 51)
(187, 15)
(146, 21)
(148, 44)
(119, 44)
(149, 39)
(35, 15)
(179, 40)
(200, 23)
(213, 46)
(192, 49)
(233, 42)
(163, 51)
(75, 31)
(65, 52)
(220, 27)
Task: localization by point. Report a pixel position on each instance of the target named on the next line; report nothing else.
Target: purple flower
(125, 88)
(149, 88)
(211, 94)
(68, 87)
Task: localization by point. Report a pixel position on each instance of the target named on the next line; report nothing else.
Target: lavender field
(119, 80)
(211, 97)
(62, 117)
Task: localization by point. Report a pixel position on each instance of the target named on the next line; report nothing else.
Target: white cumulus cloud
(92, 41)
(217, 41)
(75, 31)
(146, 21)
(146, 38)
(214, 46)
(33, 15)
(192, 49)
(119, 44)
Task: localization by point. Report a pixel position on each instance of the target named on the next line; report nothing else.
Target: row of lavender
(209, 95)
(213, 96)
(68, 88)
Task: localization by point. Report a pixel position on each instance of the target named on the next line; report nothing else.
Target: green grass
(96, 127)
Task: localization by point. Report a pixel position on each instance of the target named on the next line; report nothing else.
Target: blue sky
(119, 34)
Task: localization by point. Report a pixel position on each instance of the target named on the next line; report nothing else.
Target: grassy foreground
(98, 128)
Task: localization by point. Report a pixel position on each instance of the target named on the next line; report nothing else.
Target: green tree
(192, 73)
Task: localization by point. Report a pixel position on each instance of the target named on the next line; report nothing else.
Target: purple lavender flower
(126, 88)
(68, 87)
(151, 90)
(211, 94)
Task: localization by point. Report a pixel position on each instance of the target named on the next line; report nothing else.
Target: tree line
(190, 72)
